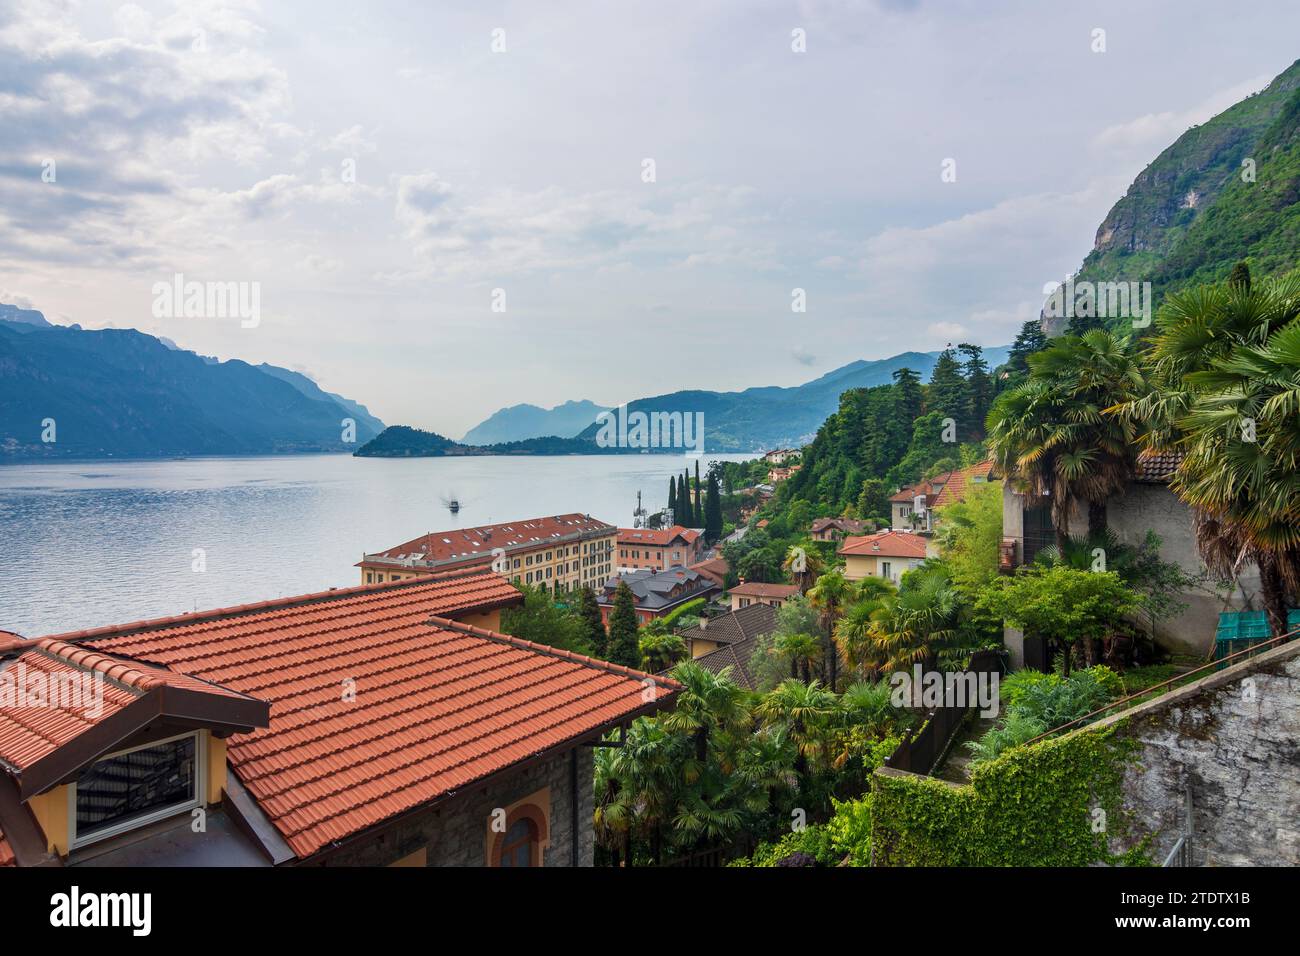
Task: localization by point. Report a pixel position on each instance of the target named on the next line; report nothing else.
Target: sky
(448, 208)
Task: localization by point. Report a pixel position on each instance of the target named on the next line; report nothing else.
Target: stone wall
(455, 834)
(1233, 739)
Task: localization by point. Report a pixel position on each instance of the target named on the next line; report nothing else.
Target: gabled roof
(1157, 467)
(652, 589)
(656, 537)
(886, 544)
(735, 656)
(64, 706)
(380, 703)
(715, 569)
(759, 589)
(748, 621)
(844, 524)
(955, 487)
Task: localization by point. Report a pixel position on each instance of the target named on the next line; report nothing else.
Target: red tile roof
(758, 589)
(715, 569)
(660, 537)
(79, 689)
(437, 706)
(889, 544)
(955, 488)
(466, 545)
(1158, 467)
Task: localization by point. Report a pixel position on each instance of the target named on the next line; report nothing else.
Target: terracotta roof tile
(465, 545)
(438, 704)
(889, 544)
(955, 487)
(758, 589)
(1157, 467)
(656, 537)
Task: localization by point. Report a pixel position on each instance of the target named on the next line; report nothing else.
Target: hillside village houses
(885, 554)
(836, 529)
(755, 592)
(389, 724)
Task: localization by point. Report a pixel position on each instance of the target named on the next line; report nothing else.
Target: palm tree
(800, 713)
(802, 649)
(1051, 434)
(829, 597)
(853, 631)
(1223, 375)
(919, 625)
(707, 704)
(803, 563)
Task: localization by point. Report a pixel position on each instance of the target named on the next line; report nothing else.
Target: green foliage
(1036, 703)
(540, 620)
(1031, 806)
(588, 611)
(691, 608)
(659, 651)
(812, 842)
(623, 645)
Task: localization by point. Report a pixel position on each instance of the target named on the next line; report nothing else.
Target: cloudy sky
(381, 168)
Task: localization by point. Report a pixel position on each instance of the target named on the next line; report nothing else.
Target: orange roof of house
(437, 705)
(75, 689)
(889, 544)
(463, 545)
(955, 488)
(760, 590)
(658, 537)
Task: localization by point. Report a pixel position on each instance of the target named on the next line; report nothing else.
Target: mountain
(122, 393)
(1195, 210)
(774, 417)
(23, 317)
(302, 383)
(402, 441)
(530, 421)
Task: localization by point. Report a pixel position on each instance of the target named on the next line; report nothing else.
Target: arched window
(519, 846)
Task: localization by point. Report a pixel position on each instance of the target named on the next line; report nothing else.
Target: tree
(979, 387)
(798, 636)
(909, 394)
(803, 563)
(622, 645)
(712, 510)
(1029, 340)
(672, 496)
(829, 597)
(660, 649)
(854, 631)
(801, 712)
(1061, 604)
(947, 393)
(921, 624)
(1222, 369)
(1052, 436)
(698, 507)
(589, 612)
(873, 500)
(540, 620)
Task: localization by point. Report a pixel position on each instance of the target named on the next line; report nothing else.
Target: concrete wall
(458, 833)
(1141, 508)
(1233, 740)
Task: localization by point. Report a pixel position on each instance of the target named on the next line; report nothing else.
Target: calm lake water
(109, 542)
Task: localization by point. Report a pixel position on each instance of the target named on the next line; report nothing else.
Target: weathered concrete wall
(1142, 508)
(1155, 507)
(456, 834)
(1233, 739)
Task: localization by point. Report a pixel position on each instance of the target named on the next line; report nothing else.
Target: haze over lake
(109, 542)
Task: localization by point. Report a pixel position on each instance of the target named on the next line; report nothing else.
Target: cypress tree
(672, 496)
(713, 511)
(622, 647)
(699, 508)
(589, 612)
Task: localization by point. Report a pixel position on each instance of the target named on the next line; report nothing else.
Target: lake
(109, 542)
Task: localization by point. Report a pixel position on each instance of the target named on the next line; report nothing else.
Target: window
(886, 569)
(135, 787)
(520, 844)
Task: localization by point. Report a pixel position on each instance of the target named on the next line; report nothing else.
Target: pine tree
(979, 388)
(1240, 275)
(1030, 340)
(713, 511)
(589, 612)
(907, 386)
(622, 647)
(946, 393)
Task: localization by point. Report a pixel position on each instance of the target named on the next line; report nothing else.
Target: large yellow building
(560, 553)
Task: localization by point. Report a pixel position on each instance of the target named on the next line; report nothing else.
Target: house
(781, 473)
(1146, 504)
(914, 508)
(559, 553)
(658, 549)
(835, 529)
(780, 456)
(656, 593)
(755, 592)
(753, 620)
(885, 554)
(715, 569)
(380, 725)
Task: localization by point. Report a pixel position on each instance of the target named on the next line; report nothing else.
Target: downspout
(573, 802)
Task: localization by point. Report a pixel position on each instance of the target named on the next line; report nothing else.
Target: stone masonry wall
(454, 834)
(1233, 738)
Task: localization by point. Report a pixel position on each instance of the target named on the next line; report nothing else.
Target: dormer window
(135, 787)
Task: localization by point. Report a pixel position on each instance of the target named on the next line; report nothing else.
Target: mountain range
(520, 422)
(67, 392)
(1225, 191)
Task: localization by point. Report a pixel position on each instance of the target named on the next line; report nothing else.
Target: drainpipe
(573, 803)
